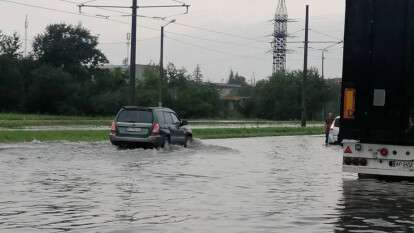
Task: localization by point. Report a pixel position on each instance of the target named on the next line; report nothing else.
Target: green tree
(11, 84)
(51, 89)
(10, 45)
(68, 46)
(279, 97)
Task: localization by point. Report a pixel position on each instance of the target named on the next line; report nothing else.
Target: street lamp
(162, 61)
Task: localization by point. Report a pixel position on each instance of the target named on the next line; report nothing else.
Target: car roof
(146, 108)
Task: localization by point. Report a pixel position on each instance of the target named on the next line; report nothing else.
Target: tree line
(64, 75)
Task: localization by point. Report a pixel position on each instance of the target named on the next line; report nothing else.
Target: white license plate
(135, 130)
(401, 163)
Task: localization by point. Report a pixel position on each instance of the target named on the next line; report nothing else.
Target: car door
(177, 131)
(169, 126)
(161, 120)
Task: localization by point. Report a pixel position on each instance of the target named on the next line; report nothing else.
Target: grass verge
(102, 135)
(17, 121)
(219, 133)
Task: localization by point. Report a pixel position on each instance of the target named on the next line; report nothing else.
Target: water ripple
(275, 184)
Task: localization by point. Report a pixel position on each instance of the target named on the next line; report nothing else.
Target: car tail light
(155, 128)
(113, 127)
(384, 152)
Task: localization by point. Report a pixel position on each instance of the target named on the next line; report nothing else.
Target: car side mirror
(184, 122)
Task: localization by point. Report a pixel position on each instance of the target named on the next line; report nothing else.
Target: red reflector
(348, 150)
(155, 128)
(384, 152)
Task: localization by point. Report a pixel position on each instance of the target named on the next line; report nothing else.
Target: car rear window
(136, 116)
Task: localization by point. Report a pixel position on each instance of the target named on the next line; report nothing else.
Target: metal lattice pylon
(279, 43)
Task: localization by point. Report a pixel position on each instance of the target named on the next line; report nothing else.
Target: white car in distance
(334, 131)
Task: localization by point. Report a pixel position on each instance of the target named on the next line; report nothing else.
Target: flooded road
(275, 184)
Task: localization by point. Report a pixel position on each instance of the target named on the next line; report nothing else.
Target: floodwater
(275, 184)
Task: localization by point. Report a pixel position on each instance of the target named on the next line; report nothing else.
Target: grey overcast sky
(217, 53)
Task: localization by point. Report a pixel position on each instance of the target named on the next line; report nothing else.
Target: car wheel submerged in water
(148, 128)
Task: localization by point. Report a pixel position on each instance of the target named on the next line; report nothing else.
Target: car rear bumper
(149, 141)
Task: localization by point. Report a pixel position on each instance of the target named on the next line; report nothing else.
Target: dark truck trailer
(378, 72)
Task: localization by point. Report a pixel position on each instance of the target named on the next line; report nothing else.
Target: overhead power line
(121, 22)
(324, 34)
(222, 33)
(230, 43)
(209, 49)
(126, 23)
(63, 11)
(79, 3)
(132, 67)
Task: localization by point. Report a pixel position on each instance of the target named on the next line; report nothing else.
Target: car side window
(160, 117)
(167, 118)
(174, 118)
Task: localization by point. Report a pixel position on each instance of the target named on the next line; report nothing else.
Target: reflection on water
(376, 206)
(275, 184)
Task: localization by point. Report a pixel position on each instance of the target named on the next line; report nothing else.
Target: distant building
(224, 89)
(139, 73)
(229, 93)
(336, 80)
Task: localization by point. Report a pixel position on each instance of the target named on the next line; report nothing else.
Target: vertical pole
(323, 64)
(132, 67)
(128, 44)
(161, 67)
(323, 77)
(305, 68)
(26, 27)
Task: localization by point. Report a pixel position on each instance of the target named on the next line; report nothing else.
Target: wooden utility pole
(161, 67)
(323, 64)
(132, 66)
(305, 68)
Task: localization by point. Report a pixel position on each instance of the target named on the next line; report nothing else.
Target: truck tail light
(349, 103)
(384, 152)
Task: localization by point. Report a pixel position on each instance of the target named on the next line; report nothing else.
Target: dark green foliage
(11, 84)
(189, 97)
(68, 46)
(279, 97)
(63, 76)
(10, 45)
